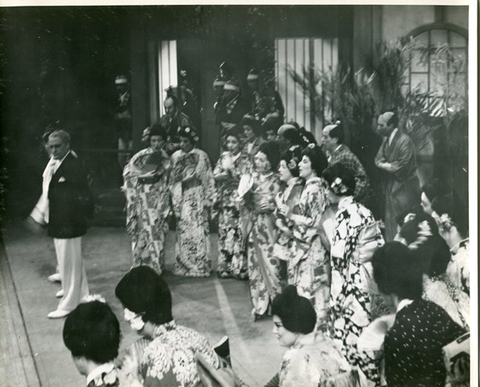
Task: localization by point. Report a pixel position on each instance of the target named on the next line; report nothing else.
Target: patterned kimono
(458, 270)
(232, 260)
(266, 272)
(191, 201)
(309, 268)
(356, 238)
(168, 359)
(290, 197)
(104, 375)
(148, 205)
(311, 361)
(455, 302)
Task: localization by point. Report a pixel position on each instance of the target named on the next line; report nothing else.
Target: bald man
(396, 157)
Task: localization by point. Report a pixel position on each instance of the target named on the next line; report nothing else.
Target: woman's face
(283, 335)
(233, 144)
(156, 143)
(248, 133)
(270, 135)
(285, 174)
(425, 203)
(305, 167)
(262, 165)
(185, 144)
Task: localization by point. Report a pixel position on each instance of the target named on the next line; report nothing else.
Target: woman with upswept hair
(193, 192)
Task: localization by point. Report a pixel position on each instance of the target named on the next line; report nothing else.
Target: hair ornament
(311, 145)
(338, 187)
(423, 234)
(444, 222)
(93, 297)
(338, 122)
(187, 130)
(135, 320)
(293, 163)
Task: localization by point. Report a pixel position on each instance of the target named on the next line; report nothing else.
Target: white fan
(373, 336)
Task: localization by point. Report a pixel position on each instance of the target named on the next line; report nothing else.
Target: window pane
(422, 39)
(420, 81)
(438, 37)
(417, 65)
(457, 40)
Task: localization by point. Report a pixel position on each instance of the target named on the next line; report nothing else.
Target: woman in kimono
(452, 219)
(413, 346)
(420, 234)
(165, 355)
(308, 268)
(148, 201)
(193, 188)
(288, 171)
(92, 334)
(311, 358)
(265, 271)
(252, 135)
(355, 239)
(232, 261)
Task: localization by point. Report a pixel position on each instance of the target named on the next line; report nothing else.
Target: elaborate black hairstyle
(296, 312)
(340, 179)
(272, 151)
(144, 292)
(158, 130)
(249, 120)
(292, 157)
(430, 250)
(189, 132)
(92, 331)
(293, 136)
(396, 271)
(317, 158)
(451, 211)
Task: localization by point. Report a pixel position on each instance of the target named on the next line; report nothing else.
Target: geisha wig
(432, 253)
(317, 158)
(272, 151)
(339, 179)
(292, 157)
(92, 331)
(190, 133)
(296, 312)
(158, 130)
(252, 123)
(144, 292)
(396, 271)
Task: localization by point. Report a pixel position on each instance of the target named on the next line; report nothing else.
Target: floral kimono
(104, 375)
(265, 271)
(356, 238)
(192, 200)
(309, 268)
(311, 361)
(290, 197)
(148, 205)
(458, 270)
(168, 358)
(232, 260)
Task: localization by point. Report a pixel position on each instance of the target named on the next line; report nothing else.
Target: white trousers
(72, 271)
